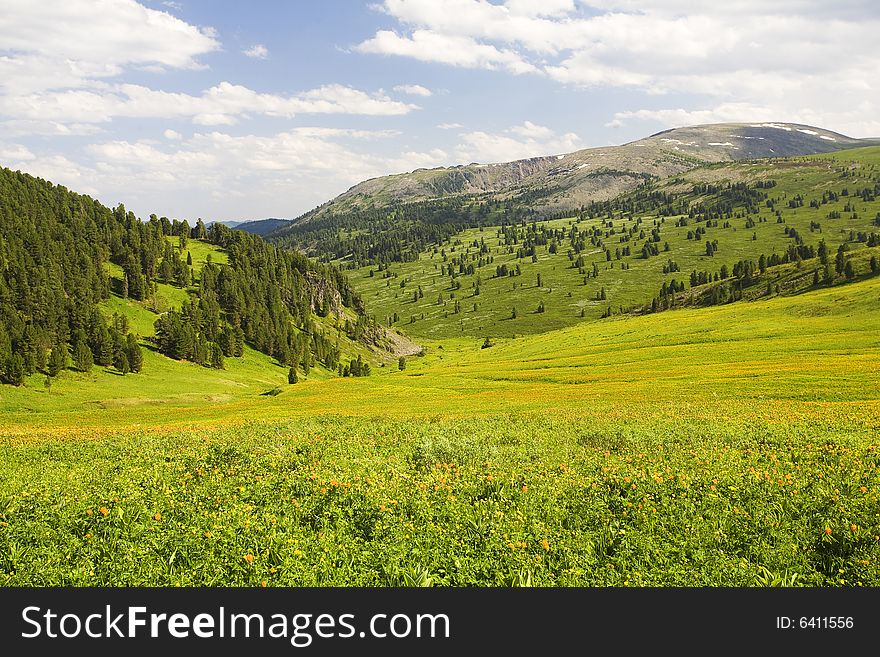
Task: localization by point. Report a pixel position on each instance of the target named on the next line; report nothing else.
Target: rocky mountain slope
(562, 182)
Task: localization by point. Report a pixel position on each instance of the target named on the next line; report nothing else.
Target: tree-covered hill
(391, 218)
(63, 255)
(719, 233)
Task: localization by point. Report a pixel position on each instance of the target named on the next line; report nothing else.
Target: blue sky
(230, 110)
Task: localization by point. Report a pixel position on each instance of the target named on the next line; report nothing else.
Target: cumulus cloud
(413, 90)
(87, 40)
(258, 51)
(54, 81)
(777, 58)
(15, 153)
(222, 104)
(454, 50)
(221, 175)
(516, 143)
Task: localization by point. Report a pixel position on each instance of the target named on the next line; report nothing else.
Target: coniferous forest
(56, 250)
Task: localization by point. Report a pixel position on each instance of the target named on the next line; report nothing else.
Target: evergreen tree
(57, 360)
(823, 252)
(82, 355)
(292, 377)
(120, 361)
(401, 363)
(14, 370)
(133, 353)
(828, 275)
(216, 356)
(840, 261)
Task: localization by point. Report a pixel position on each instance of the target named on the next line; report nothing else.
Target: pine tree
(401, 363)
(823, 252)
(57, 360)
(82, 355)
(305, 363)
(292, 377)
(14, 370)
(133, 353)
(120, 362)
(828, 275)
(216, 356)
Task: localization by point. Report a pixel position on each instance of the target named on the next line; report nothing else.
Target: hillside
(728, 446)
(261, 227)
(699, 229)
(567, 181)
(83, 285)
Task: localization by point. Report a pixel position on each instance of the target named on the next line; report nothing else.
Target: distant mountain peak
(562, 182)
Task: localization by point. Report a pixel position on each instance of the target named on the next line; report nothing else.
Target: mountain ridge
(563, 182)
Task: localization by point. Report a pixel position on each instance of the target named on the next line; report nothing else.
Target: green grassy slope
(725, 446)
(563, 291)
(164, 383)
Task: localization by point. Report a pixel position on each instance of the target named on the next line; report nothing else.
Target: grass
(733, 445)
(563, 291)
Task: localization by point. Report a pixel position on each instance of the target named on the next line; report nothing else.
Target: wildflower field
(730, 446)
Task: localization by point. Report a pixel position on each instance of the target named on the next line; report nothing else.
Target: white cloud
(172, 134)
(454, 50)
(96, 39)
(449, 126)
(222, 104)
(176, 6)
(854, 121)
(777, 58)
(15, 153)
(225, 176)
(540, 7)
(257, 51)
(413, 90)
(516, 143)
(530, 130)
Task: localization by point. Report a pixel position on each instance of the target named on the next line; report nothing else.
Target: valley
(675, 385)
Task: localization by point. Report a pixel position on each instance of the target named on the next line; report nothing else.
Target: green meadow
(733, 445)
(729, 445)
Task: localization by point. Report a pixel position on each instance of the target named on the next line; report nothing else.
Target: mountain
(393, 218)
(228, 224)
(750, 229)
(563, 182)
(260, 227)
